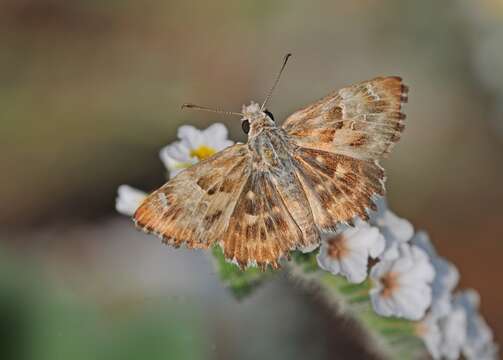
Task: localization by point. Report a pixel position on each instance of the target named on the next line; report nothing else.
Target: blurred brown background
(91, 90)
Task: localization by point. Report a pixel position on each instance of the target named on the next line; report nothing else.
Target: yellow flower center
(202, 152)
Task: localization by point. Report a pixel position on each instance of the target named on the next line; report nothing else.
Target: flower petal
(354, 266)
(191, 135)
(128, 199)
(327, 263)
(453, 328)
(179, 151)
(446, 276)
(479, 341)
(402, 286)
(356, 244)
(217, 131)
(429, 331)
(394, 229)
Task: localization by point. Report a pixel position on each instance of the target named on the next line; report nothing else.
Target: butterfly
(278, 192)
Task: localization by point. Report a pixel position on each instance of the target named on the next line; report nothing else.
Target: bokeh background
(91, 90)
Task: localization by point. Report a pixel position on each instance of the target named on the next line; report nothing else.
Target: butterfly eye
(269, 114)
(245, 124)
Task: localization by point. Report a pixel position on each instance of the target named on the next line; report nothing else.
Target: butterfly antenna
(285, 60)
(208, 109)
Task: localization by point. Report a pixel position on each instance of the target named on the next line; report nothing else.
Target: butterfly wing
(362, 121)
(195, 206)
(339, 140)
(222, 201)
(261, 229)
(338, 187)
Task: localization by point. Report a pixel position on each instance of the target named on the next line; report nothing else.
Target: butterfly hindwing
(338, 187)
(362, 121)
(261, 229)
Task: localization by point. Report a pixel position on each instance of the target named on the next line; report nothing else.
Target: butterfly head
(254, 119)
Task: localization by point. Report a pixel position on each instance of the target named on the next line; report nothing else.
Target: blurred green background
(91, 90)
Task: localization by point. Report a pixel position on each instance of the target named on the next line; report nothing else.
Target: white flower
(461, 331)
(479, 340)
(347, 250)
(128, 199)
(429, 331)
(396, 230)
(446, 276)
(402, 287)
(445, 336)
(194, 145)
(453, 333)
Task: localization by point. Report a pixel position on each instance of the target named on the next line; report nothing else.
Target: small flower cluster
(403, 276)
(409, 280)
(453, 325)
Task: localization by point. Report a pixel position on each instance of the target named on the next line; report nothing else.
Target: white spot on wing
(163, 200)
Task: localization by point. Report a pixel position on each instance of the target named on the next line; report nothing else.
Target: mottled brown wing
(222, 201)
(362, 121)
(261, 229)
(194, 207)
(338, 187)
(272, 217)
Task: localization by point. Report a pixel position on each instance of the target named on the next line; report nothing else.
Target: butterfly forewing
(194, 208)
(362, 121)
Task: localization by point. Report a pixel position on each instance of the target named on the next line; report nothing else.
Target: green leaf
(307, 261)
(241, 283)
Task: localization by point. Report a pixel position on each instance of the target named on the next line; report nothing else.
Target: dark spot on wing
(252, 231)
(269, 223)
(327, 135)
(227, 186)
(359, 141)
(211, 218)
